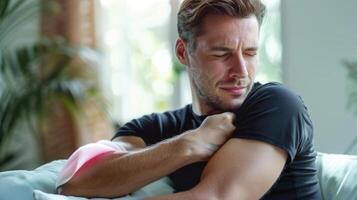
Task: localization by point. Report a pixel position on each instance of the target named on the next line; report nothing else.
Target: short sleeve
(275, 115)
(145, 127)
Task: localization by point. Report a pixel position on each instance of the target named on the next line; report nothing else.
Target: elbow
(79, 186)
(81, 183)
(94, 183)
(83, 174)
(86, 183)
(70, 189)
(88, 191)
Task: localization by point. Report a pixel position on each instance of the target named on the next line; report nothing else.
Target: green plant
(352, 86)
(35, 74)
(352, 97)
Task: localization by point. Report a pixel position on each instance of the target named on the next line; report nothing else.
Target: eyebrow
(252, 49)
(222, 48)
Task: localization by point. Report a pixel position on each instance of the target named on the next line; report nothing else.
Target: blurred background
(73, 71)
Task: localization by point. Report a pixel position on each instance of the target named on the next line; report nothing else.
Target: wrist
(195, 146)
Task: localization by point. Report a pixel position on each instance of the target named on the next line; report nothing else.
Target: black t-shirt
(272, 114)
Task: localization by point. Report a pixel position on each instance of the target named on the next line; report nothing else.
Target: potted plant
(34, 75)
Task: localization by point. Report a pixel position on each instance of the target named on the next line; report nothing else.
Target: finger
(231, 116)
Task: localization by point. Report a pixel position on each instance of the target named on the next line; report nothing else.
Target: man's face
(222, 67)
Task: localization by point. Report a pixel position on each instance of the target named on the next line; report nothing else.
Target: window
(138, 45)
(270, 50)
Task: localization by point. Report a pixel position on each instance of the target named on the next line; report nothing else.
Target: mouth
(235, 91)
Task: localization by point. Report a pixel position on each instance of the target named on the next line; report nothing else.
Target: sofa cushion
(20, 184)
(157, 188)
(338, 176)
(40, 184)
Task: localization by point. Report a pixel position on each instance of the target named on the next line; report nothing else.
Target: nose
(238, 67)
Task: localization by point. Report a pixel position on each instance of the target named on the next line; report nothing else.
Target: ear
(181, 51)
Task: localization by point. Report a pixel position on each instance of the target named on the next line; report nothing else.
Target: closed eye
(250, 53)
(221, 55)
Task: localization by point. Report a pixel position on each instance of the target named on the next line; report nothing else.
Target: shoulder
(274, 114)
(273, 95)
(273, 90)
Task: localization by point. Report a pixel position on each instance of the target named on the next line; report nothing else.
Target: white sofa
(337, 175)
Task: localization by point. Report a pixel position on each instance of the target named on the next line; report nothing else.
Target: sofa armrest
(337, 175)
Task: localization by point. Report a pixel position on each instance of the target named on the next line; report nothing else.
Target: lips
(236, 91)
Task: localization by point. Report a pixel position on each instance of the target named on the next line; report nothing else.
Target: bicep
(130, 142)
(242, 169)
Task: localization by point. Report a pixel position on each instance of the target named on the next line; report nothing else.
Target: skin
(221, 71)
(226, 57)
(123, 173)
(222, 61)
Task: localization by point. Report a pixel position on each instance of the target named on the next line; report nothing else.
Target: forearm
(117, 175)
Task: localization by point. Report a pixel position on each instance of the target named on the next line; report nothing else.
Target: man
(238, 139)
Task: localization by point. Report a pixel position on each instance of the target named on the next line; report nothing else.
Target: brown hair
(192, 13)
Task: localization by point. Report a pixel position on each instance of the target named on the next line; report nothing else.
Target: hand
(214, 131)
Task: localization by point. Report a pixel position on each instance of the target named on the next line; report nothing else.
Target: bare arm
(120, 174)
(242, 169)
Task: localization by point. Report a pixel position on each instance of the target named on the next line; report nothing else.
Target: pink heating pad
(85, 157)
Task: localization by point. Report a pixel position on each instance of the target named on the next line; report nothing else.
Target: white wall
(317, 35)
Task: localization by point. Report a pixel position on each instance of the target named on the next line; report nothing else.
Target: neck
(199, 107)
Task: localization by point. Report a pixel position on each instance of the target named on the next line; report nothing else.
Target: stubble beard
(201, 84)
